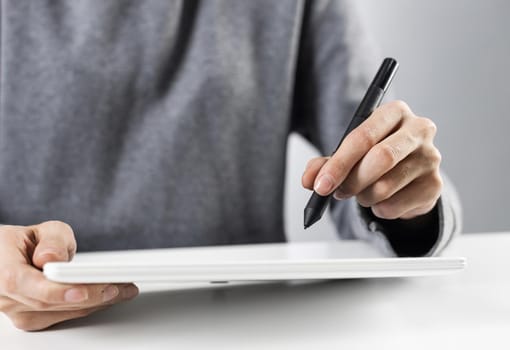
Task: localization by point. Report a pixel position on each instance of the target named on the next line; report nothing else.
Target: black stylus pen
(375, 93)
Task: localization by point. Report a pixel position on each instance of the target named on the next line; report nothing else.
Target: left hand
(389, 163)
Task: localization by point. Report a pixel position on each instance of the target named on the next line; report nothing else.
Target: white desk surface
(467, 310)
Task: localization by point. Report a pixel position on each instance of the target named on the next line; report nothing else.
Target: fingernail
(110, 292)
(75, 295)
(130, 292)
(324, 185)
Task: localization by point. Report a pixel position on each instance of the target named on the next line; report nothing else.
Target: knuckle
(437, 181)
(388, 154)
(57, 223)
(67, 231)
(315, 162)
(431, 126)
(62, 227)
(435, 157)
(400, 106)
(310, 163)
(382, 190)
(429, 157)
(367, 135)
(426, 127)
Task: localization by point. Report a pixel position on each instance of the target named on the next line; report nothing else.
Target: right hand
(30, 300)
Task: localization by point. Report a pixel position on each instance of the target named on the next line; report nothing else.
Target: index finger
(383, 122)
(55, 242)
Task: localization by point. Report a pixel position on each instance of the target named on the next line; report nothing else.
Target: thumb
(54, 242)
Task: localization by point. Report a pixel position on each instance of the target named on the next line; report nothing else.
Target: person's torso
(147, 123)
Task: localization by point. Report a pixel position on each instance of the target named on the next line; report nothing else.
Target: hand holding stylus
(389, 163)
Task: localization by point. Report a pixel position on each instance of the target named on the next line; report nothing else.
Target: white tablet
(259, 262)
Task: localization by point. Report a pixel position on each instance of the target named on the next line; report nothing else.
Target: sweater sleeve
(336, 62)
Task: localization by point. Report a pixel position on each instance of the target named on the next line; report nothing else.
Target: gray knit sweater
(163, 123)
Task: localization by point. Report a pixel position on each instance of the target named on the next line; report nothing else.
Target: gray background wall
(454, 68)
